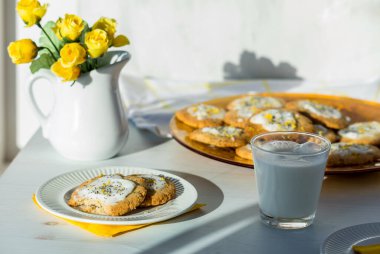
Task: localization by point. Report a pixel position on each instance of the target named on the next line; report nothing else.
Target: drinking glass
(289, 170)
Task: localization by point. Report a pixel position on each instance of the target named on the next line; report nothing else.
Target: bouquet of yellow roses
(68, 47)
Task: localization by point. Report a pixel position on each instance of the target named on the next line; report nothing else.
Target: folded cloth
(152, 102)
(369, 249)
(107, 230)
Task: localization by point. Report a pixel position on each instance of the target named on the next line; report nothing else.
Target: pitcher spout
(115, 61)
(110, 66)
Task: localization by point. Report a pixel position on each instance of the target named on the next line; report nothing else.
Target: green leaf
(43, 62)
(84, 31)
(85, 67)
(45, 42)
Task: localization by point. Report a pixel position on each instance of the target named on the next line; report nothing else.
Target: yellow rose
(72, 54)
(30, 11)
(108, 25)
(120, 41)
(67, 74)
(96, 42)
(70, 27)
(22, 51)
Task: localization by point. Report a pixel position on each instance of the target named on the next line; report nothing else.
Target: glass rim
(324, 150)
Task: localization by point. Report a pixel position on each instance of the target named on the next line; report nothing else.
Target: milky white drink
(289, 178)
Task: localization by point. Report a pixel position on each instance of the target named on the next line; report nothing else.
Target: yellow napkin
(369, 249)
(108, 230)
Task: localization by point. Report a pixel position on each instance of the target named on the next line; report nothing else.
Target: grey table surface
(228, 224)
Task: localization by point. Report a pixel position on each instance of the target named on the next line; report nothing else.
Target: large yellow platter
(358, 110)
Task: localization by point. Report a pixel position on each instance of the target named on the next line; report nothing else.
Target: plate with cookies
(222, 128)
(117, 195)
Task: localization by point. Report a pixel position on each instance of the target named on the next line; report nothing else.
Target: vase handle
(32, 100)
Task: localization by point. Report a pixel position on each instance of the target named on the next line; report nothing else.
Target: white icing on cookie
(109, 189)
(256, 102)
(320, 109)
(203, 111)
(345, 149)
(224, 131)
(245, 112)
(275, 120)
(361, 130)
(211, 130)
(154, 182)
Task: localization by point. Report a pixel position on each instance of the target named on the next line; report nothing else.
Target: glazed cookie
(328, 115)
(325, 132)
(201, 115)
(278, 120)
(108, 195)
(221, 136)
(244, 152)
(255, 102)
(160, 189)
(238, 118)
(362, 133)
(344, 154)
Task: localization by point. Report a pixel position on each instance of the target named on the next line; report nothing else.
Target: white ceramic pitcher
(88, 120)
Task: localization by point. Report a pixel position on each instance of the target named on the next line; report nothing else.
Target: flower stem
(43, 30)
(51, 53)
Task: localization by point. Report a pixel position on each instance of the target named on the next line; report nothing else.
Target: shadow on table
(363, 188)
(139, 140)
(239, 231)
(347, 200)
(180, 241)
(208, 193)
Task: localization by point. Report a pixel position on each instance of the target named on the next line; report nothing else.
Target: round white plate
(54, 194)
(343, 240)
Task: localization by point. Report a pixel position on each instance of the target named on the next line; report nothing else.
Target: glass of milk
(289, 170)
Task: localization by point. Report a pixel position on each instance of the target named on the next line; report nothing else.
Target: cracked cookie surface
(108, 195)
(159, 189)
(278, 120)
(362, 133)
(222, 136)
(344, 154)
(325, 114)
(201, 115)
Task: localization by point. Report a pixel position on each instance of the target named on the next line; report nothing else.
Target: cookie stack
(117, 195)
(233, 126)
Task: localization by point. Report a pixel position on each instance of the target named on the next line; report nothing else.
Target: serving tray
(357, 110)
